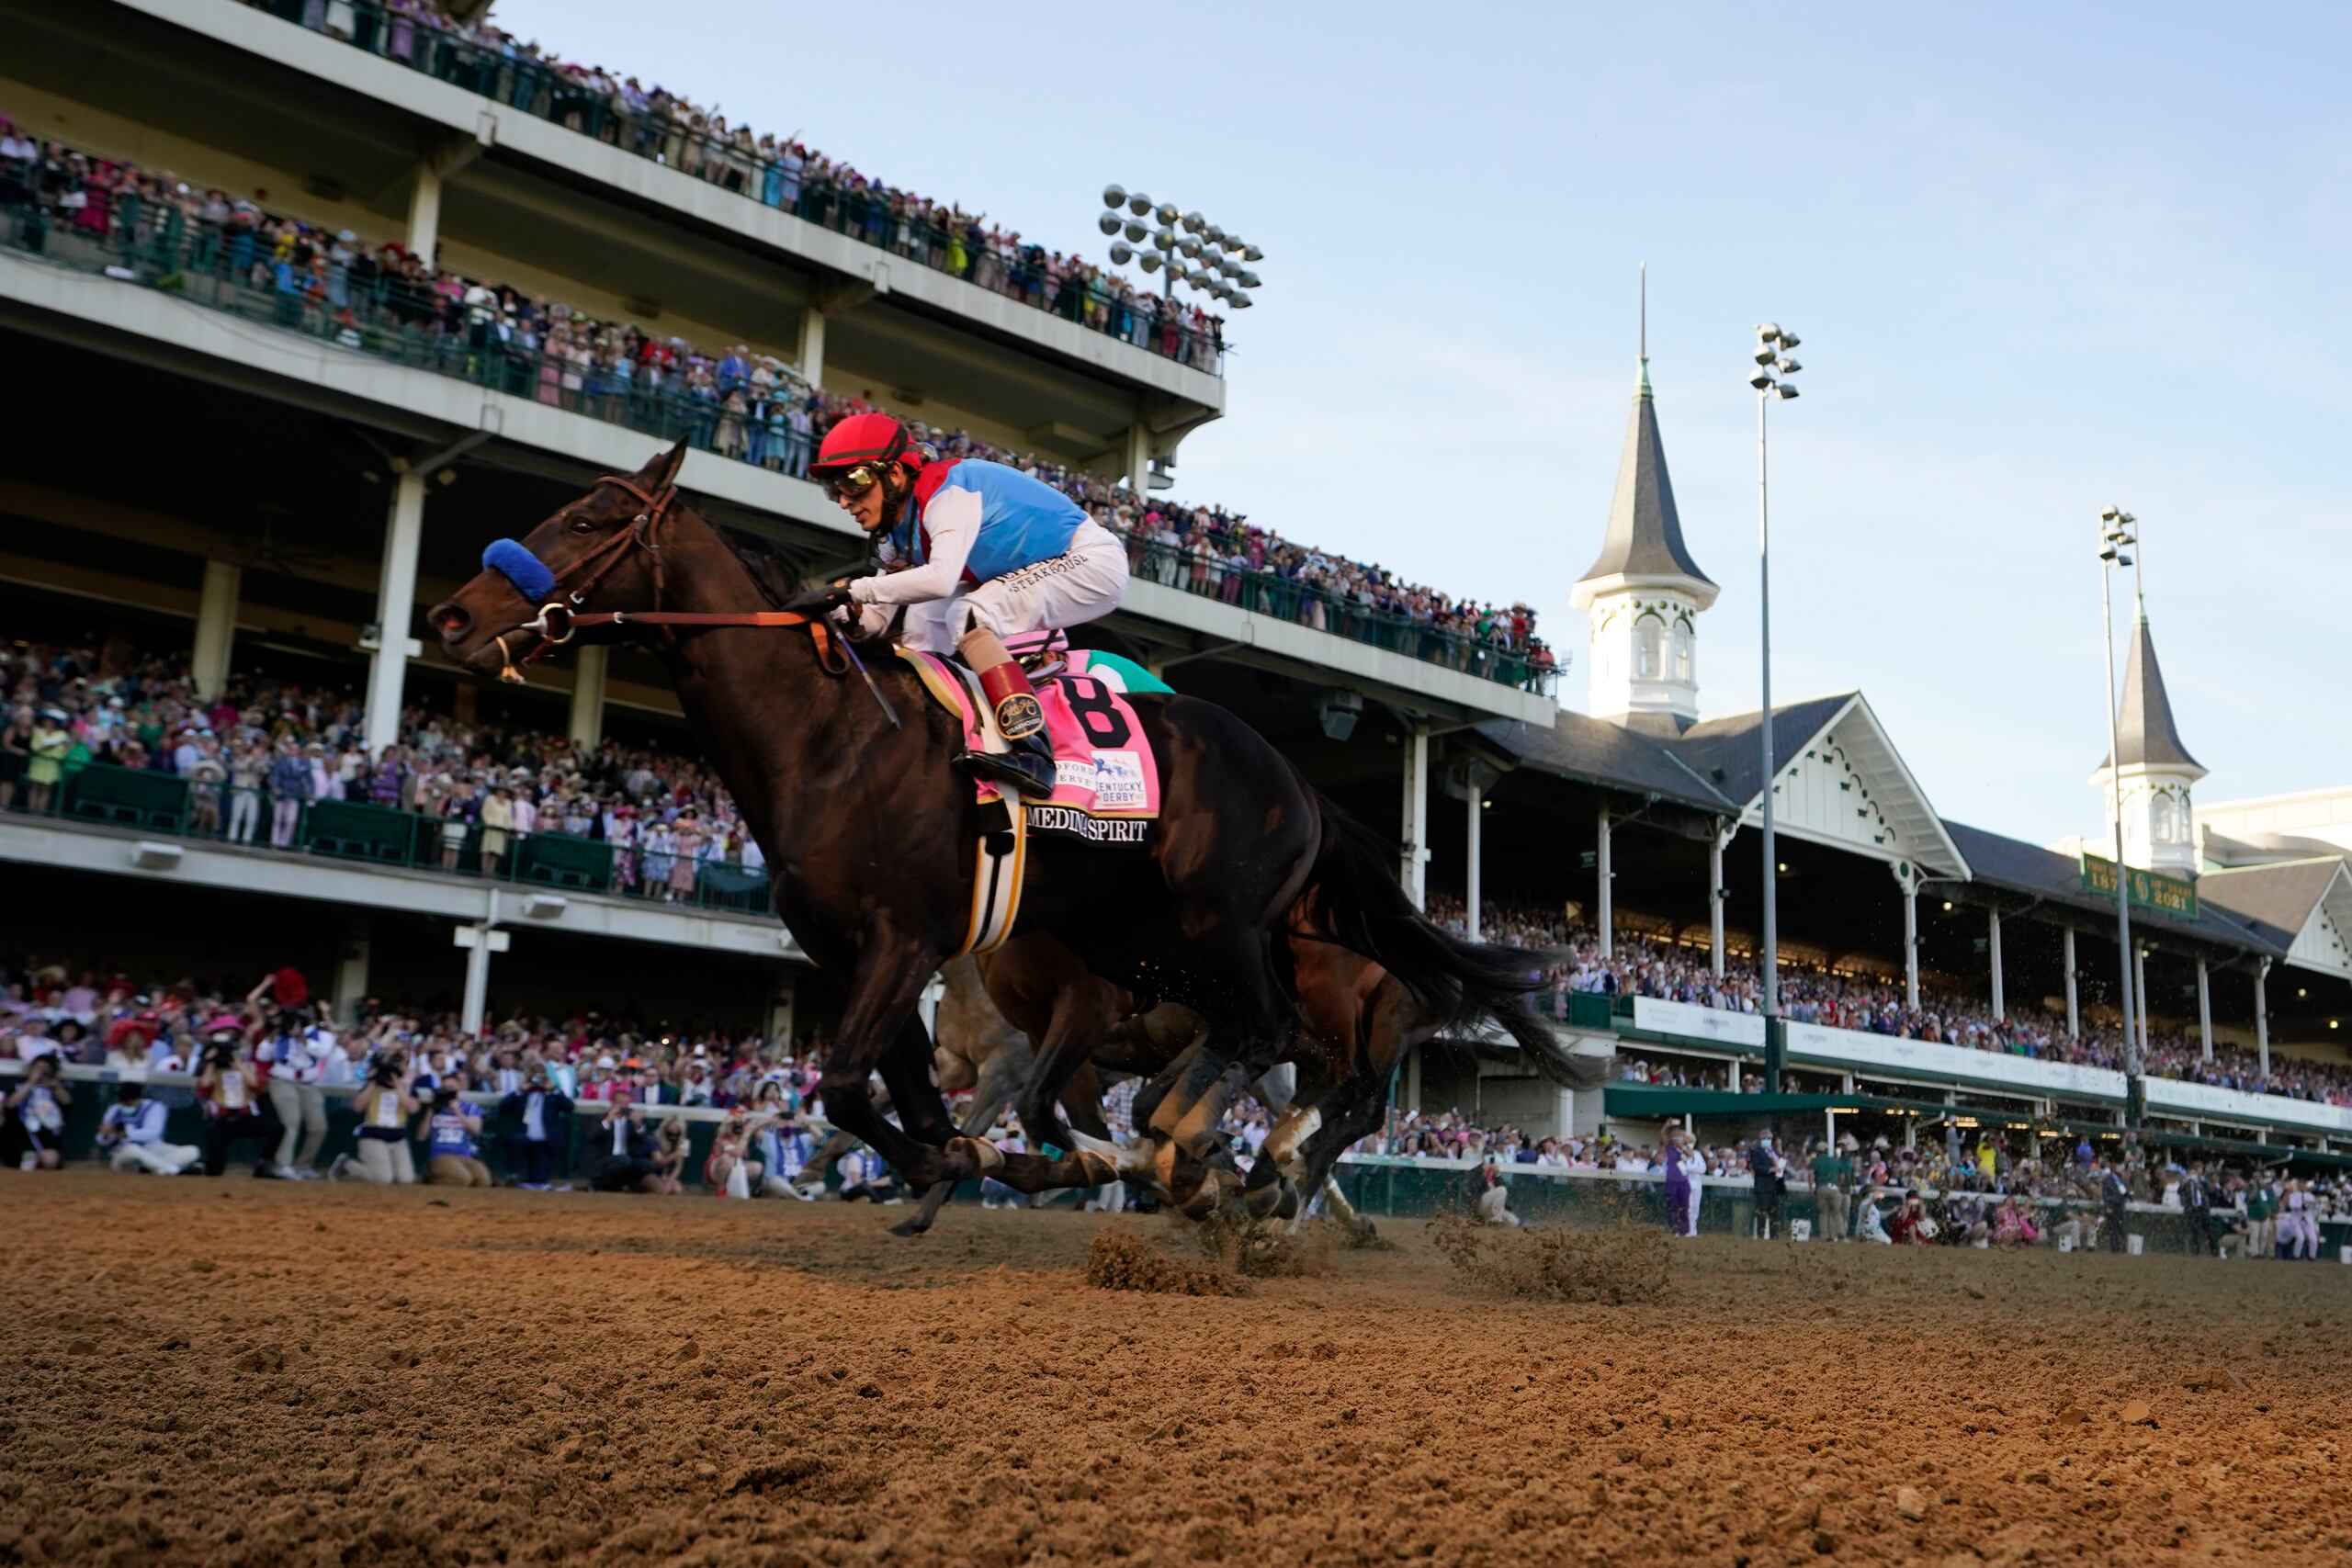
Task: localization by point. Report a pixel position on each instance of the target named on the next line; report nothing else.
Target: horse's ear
(662, 472)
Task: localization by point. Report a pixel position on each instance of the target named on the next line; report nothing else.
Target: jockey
(977, 552)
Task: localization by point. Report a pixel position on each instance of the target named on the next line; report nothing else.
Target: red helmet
(873, 438)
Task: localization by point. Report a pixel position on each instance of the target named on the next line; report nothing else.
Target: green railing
(869, 217)
(162, 803)
(392, 319)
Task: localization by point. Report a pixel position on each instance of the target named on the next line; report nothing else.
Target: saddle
(1108, 788)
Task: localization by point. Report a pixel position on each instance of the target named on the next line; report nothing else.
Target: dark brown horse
(870, 835)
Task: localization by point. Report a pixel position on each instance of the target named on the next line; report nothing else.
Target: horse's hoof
(1218, 1190)
(1268, 1201)
(984, 1156)
(1288, 1209)
(913, 1225)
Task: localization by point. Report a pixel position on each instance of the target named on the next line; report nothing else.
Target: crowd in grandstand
(668, 128)
(260, 753)
(1637, 966)
(729, 399)
(264, 1059)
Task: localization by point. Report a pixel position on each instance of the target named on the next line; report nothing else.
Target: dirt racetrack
(246, 1372)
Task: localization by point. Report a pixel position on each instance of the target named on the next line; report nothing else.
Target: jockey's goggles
(852, 482)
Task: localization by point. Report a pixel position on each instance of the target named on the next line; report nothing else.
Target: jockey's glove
(819, 601)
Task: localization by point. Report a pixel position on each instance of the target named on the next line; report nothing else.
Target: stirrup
(1027, 769)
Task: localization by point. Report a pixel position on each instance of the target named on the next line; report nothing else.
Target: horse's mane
(772, 569)
(778, 576)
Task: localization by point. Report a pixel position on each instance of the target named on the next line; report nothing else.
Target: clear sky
(2042, 257)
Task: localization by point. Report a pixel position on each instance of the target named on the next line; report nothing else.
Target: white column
(1993, 951)
(2261, 1013)
(1139, 459)
(1414, 872)
(1413, 1081)
(425, 214)
(589, 662)
(812, 347)
(480, 941)
(1472, 887)
(350, 973)
(1909, 884)
(395, 609)
(1716, 844)
(216, 625)
(477, 999)
(1606, 916)
(2073, 1009)
(1735, 1075)
(2204, 1012)
(2140, 989)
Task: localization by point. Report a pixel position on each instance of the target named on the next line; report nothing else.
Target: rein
(559, 620)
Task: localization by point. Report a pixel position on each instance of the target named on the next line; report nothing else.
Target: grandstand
(270, 428)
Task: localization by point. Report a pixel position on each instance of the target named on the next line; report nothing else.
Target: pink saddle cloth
(1102, 756)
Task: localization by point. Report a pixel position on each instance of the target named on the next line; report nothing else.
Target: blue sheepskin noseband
(529, 574)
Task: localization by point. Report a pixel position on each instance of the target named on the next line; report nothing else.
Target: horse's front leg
(890, 972)
(999, 1077)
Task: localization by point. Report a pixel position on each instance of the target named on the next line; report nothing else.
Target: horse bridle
(559, 620)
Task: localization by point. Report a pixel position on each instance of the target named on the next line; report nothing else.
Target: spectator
(864, 1175)
(1911, 1226)
(1769, 1171)
(131, 1133)
(234, 1109)
(384, 1107)
(1492, 1204)
(292, 1051)
(35, 1108)
(290, 786)
(450, 1131)
(1833, 1179)
(624, 1153)
(537, 1119)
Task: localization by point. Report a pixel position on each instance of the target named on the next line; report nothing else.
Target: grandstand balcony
(467, 155)
(173, 309)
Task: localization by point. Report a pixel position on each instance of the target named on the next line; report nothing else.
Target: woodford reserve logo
(2148, 889)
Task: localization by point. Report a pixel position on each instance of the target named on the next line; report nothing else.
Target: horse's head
(595, 553)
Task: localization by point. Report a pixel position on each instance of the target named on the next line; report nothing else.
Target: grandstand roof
(2016, 866)
(1596, 751)
(1644, 537)
(2144, 729)
(1724, 751)
(2307, 902)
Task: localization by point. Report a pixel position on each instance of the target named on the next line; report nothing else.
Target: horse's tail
(1357, 903)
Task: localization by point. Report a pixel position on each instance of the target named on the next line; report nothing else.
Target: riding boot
(1027, 766)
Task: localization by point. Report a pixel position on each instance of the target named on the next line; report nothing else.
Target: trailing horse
(870, 837)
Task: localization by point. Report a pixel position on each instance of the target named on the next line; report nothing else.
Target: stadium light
(2115, 536)
(1181, 246)
(1769, 378)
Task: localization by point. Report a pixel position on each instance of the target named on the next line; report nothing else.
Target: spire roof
(2144, 729)
(1644, 537)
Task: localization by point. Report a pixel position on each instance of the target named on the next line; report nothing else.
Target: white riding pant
(1083, 583)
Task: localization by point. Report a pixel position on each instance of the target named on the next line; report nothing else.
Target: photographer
(233, 1109)
(36, 1116)
(385, 1106)
(624, 1150)
(449, 1133)
(537, 1119)
(131, 1135)
(295, 1052)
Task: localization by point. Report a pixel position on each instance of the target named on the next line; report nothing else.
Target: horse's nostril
(451, 620)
